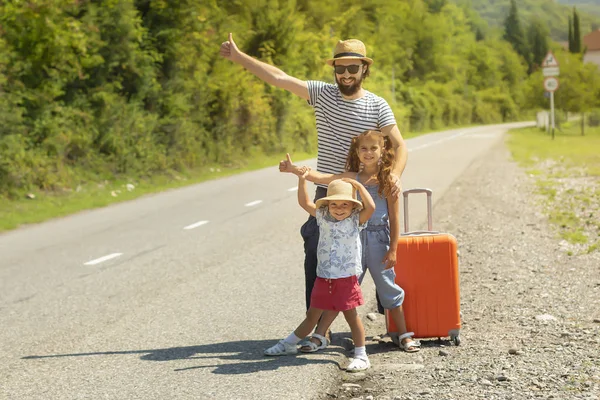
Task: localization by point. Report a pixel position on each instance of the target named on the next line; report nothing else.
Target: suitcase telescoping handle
(429, 193)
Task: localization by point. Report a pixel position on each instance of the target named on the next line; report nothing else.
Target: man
(342, 111)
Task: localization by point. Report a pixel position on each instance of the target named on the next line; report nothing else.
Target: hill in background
(591, 7)
(555, 15)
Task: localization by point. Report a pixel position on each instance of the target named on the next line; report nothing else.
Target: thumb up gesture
(287, 165)
(229, 49)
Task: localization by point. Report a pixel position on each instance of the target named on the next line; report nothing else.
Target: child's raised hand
(351, 181)
(302, 171)
(287, 165)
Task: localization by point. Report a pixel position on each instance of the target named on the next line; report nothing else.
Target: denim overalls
(375, 239)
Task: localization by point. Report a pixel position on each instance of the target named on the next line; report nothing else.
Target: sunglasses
(353, 69)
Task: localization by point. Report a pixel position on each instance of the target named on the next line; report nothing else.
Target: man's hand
(229, 50)
(396, 188)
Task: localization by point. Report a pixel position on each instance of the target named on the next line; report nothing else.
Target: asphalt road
(175, 295)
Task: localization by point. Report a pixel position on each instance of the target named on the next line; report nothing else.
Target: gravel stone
(545, 317)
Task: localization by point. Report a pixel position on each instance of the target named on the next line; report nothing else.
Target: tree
(90, 89)
(435, 6)
(570, 34)
(576, 33)
(579, 84)
(513, 32)
(537, 36)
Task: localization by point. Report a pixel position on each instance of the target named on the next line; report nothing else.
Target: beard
(349, 90)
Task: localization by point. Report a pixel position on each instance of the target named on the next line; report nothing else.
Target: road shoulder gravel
(531, 312)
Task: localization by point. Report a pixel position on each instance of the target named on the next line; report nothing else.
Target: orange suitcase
(427, 270)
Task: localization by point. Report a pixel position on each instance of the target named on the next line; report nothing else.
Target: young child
(340, 217)
(370, 160)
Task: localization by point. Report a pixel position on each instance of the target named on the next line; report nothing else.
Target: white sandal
(358, 364)
(312, 346)
(411, 346)
(282, 348)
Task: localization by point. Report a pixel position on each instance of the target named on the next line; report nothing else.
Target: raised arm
(312, 176)
(303, 197)
(268, 73)
(367, 200)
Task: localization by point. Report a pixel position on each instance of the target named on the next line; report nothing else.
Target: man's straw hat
(341, 191)
(351, 49)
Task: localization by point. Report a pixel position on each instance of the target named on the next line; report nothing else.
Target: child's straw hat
(351, 49)
(341, 191)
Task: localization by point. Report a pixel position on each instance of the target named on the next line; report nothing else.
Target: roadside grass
(567, 173)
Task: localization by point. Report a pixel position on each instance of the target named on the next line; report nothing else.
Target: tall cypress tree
(513, 32)
(576, 32)
(570, 35)
(537, 36)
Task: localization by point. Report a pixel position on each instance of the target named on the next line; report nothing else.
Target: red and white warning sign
(549, 61)
(551, 83)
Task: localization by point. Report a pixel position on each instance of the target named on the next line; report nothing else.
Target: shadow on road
(247, 356)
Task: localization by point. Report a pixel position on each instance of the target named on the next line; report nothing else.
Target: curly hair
(387, 160)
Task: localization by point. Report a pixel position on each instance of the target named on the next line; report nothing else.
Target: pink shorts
(336, 294)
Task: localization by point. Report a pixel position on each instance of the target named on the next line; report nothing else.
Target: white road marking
(293, 189)
(437, 142)
(102, 259)
(195, 225)
(253, 203)
(482, 135)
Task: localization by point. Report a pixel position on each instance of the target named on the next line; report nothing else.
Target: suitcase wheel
(455, 339)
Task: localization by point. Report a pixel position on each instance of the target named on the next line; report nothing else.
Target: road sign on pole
(550, 70)
(552, 113)
(551, 83)
(549, 60)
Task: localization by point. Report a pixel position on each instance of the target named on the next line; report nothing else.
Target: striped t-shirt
(339, 120)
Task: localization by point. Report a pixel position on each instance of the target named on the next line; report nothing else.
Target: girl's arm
(367, 200)
(303, 197)
(313, 176)
(394, 218)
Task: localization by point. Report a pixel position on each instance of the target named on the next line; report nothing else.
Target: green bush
(593, 118)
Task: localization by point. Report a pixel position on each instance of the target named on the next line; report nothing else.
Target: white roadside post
(551, 71)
